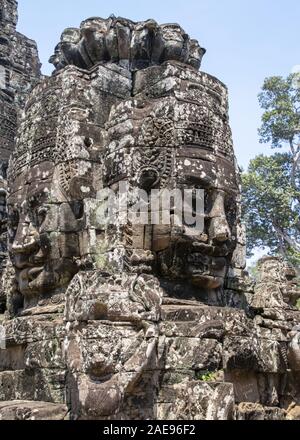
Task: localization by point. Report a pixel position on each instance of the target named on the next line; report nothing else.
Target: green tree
(271, 196)
(280, 98)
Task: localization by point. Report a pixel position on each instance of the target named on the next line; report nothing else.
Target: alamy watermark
(2, 338)
(2, 78)
(179, 207)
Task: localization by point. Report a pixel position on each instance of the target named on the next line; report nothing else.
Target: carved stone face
(121, 41)
(204, 257)
(282, 279)
(42, 247)
(51, 173)
(181, 145)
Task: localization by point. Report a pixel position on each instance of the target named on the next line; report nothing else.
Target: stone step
(256, 411)
(28, 410)
(33, 385)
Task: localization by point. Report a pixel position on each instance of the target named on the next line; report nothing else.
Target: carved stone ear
(76, 180)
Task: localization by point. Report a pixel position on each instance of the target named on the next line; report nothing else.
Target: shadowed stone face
(179, 142)
(19, 72)
(50, 175)
(79, 128)
(203, 258)
(44, 255)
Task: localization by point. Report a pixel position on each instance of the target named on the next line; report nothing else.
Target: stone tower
(19, 71)
(136, 320)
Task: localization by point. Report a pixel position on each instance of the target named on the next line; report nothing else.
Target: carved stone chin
(125, 287)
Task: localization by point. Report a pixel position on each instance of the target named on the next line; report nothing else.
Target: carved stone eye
(208, 201)
(41, 215)
(14, 218)
(230, 209)
(13, 223)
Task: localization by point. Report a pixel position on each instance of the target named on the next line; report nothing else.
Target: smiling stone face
(54, 169)
(176, 136)
(45, 229)
(202, 258)
(45, 254)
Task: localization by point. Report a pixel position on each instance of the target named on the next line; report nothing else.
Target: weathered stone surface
(39, 384)
(191, 353)
(293, 413)
(196, 401)
(128, 44)
(277, 286)
(245, 385)
(13, 358)
(124, 319)
(34, 329)
(211, 320)
(294, 348)
(22, 410)
(250, 411)
(19, 72)
(3, 237)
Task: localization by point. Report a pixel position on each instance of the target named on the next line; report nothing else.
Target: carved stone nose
(219, 229)
(26, 240)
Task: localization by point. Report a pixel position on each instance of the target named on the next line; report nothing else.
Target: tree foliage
(271, 187)
(280, 98)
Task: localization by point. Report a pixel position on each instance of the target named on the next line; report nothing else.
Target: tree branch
(283, 235)
(296, 163)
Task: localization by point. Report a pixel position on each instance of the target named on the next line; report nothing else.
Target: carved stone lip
(23, 265)
(34, 272)
(196, 258)
(210, 250)
(30, 273)
(207, 281)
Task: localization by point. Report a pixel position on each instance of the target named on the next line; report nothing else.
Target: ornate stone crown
(131, 45)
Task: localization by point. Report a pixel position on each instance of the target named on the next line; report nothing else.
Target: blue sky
(246, 40)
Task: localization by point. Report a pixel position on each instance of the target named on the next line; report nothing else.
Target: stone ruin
(125, 321)
(19, 72)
